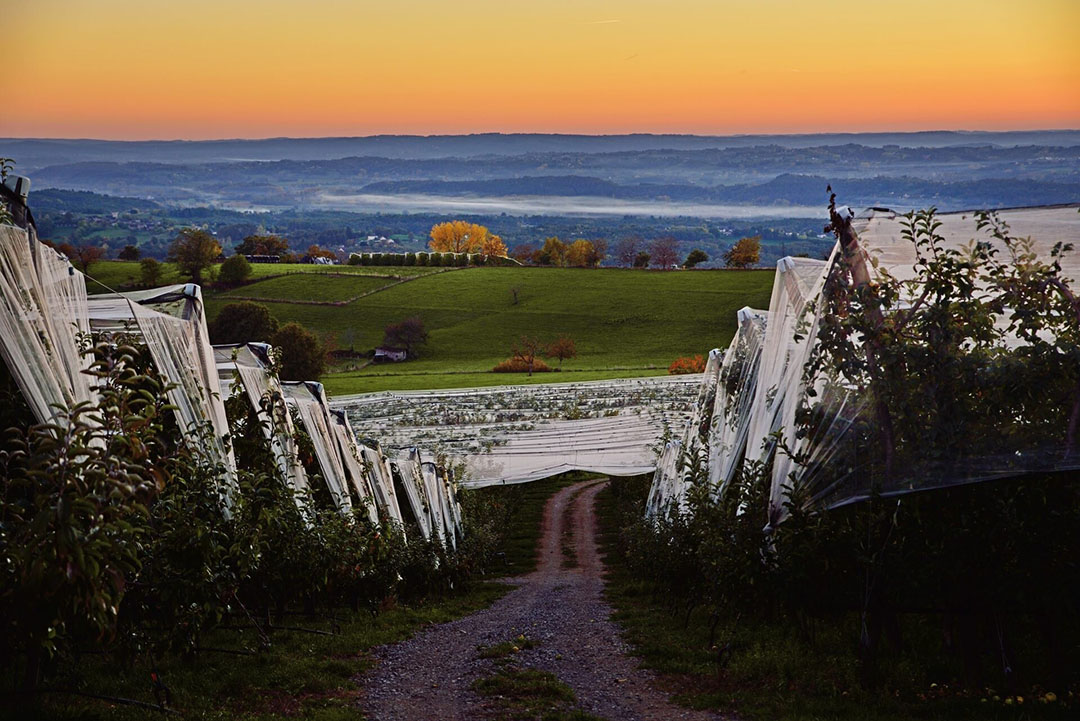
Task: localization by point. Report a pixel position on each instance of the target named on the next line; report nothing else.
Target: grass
(349, 382)
(121, 274)
(623, 322)
(505, 649)
(765, 672)
(521, 547)
(301, 675)
(525, 693)
(326, 288)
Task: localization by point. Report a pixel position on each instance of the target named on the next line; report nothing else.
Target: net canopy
(171, 322)
(246, 368)
(43, 314)
(930, 350)
(514, 434)
(46, 318)
(308, 400)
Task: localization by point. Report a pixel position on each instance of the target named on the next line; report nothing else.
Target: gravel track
(428, 676)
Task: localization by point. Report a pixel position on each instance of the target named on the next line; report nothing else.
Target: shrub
(234, 270)
(687, 364)
(520, 365)
(243, 322)
(303, 357)
(150, 272)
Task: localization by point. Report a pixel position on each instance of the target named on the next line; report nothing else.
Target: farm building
(388, 354)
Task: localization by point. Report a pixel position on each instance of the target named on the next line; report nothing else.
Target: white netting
(249, 363)
(513, 434)
(410, 480)
(170, 321)
(308, 400)
(736, 388)
(353, 464)
(377, 467)
(814, 420)
(42, 312)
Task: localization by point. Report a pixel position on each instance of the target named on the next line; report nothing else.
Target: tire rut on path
(429, 676)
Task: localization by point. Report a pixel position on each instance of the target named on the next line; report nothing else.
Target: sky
(196, 69)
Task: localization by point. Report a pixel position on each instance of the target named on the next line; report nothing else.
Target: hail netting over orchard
(47, 321)
(515, 434)
(930, 350)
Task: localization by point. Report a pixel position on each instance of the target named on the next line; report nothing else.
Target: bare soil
(429, 676)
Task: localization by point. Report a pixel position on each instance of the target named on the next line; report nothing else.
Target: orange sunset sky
(135, 69)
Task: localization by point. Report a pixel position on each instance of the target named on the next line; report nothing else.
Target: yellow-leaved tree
(458, 236)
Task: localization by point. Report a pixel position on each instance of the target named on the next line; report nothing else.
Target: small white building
(387, 353)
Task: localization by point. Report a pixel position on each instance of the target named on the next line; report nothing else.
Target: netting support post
(855, 262)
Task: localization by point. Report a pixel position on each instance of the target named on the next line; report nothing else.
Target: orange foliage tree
(458, 236)
(580, 254)
(687, 364)
(562, 348)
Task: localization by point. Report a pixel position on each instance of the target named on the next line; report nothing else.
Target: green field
(121, 275)
(625, 322)
(324, 288)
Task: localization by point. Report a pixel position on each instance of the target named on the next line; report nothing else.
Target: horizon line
(497, 133)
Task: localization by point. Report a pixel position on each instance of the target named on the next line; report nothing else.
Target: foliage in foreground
(857, 586)
(116, 540)
(771, 630)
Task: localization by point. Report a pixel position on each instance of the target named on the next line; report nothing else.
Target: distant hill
(36, 153)
(54, 200)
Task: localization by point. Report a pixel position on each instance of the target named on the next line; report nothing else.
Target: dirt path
(428, 676)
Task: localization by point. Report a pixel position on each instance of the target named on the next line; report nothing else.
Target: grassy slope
(118, 273)
(333, 288)
(620, 320)
(625, 323)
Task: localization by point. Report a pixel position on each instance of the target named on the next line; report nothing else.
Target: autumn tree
(553, 253)
(695, 257)
(315, 251)
(664, 252)
(243, 322)
(408, 334)
(129, 252)
(580, 254)
(599, 252)
(263, 245)
(524, 253)
(493, 246)
(745, 253)
(303, 356)
(562, 348)
(193, 250)
(525, 352)
(641, 260)
(626, 250)
(459, 236)
(86, 255)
